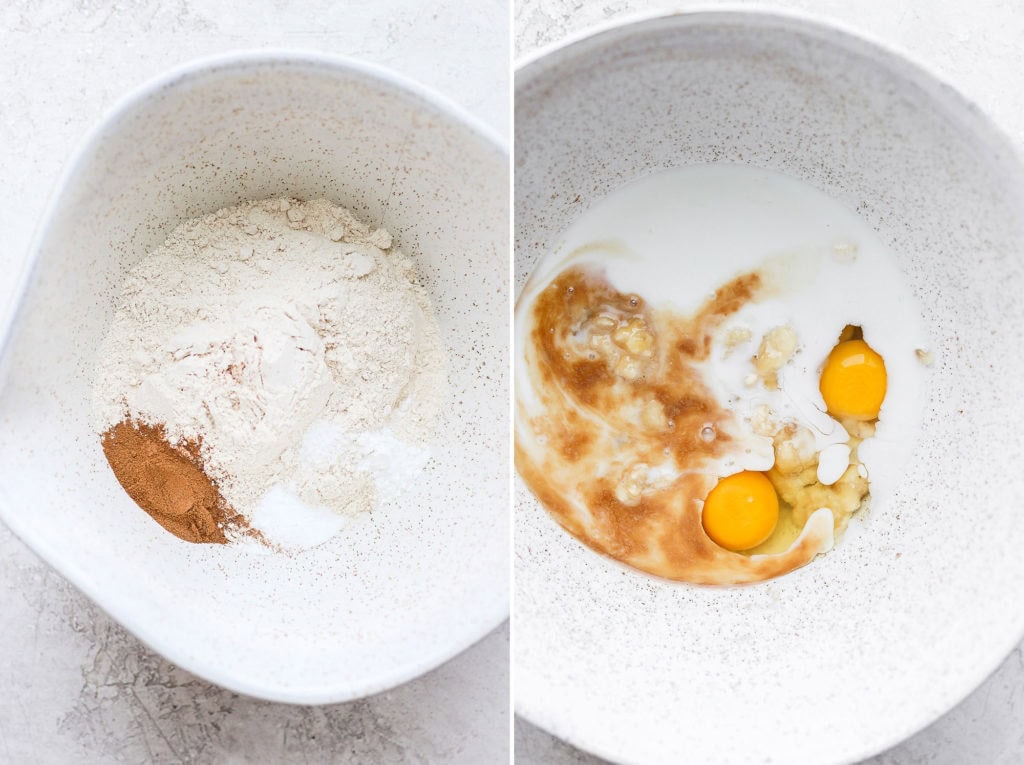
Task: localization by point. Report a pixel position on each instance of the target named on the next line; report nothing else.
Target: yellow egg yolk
(741, 511)
(853, 381)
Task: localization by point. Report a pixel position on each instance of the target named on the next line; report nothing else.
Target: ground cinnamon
(168, 482)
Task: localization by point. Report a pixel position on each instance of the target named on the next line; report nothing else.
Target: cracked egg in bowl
(766, 393)
(718, 368)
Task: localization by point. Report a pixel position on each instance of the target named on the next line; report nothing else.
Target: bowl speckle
(406, 587)
(921, 599)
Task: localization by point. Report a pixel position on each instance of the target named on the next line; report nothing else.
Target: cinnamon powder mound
(168, 482)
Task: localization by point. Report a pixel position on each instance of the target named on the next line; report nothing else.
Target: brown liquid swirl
(618, 434)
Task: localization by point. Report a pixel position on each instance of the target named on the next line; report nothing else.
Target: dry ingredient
(282, 347)
(167, 483)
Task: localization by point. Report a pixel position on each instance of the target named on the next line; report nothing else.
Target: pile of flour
(294, 344)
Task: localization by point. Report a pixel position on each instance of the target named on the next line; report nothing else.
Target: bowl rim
(836, 33)
(137, 98)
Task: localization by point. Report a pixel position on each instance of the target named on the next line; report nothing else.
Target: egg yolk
(853, 381)
(741, 511)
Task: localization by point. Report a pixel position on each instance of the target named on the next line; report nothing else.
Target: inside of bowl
(398, 590)
(922, 597)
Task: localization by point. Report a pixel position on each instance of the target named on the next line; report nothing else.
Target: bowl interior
(400, 590)
(921, 599)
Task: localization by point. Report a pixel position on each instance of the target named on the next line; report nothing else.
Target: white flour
(295, 344)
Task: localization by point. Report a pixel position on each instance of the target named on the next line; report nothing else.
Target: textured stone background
(978, 46)
(74, 687)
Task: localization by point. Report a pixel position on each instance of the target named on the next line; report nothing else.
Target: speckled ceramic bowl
(394, 595)
(923, 597)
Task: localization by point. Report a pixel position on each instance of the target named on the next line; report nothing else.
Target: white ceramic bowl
(922, 599)
(398, 593)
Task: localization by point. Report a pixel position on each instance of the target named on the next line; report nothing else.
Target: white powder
(295, 344)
